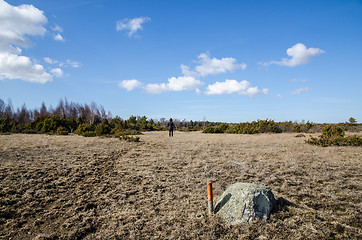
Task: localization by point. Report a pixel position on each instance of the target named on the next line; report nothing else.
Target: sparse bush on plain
(127, 138)
(352, 120)
(122, 132)
(333, 131)
(217, 129)
(260, 126)
(334, 135)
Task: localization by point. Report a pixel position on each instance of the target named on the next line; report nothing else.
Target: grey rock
(244, 202)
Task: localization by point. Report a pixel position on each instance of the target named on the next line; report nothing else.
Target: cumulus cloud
(212, 66)
(300, 90)
(190, 79)
(299, 54)
(233, 86)
(13, 66)
(57, 72)
(130, 84)
(16, 23)
(175, 84)
(187, 71)
(131, 25)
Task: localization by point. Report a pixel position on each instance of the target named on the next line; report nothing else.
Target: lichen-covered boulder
(244, 202)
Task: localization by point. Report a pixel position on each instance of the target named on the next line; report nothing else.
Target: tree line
(86, 120)
(94, 120)
(69, 117)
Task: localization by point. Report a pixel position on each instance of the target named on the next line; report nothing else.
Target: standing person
(170, 126)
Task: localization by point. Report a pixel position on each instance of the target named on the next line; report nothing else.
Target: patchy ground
(72, 187)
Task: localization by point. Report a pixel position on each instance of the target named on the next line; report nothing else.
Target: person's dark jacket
(171, 126)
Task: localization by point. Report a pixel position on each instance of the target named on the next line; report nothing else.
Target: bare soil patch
(72, 187)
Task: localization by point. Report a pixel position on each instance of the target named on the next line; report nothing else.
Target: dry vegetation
(72, 187)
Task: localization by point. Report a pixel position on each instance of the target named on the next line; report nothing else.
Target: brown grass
(71, 187)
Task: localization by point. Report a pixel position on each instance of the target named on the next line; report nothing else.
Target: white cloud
(130, 84)
(17, 22)
(57, 72)
(131, 25)
(69, 63)
(299, 54)
(212, 66)
(233, 86)
(186, 71)
(50, 61)
(13, 66)
(58, 37)
(57, 28)
(73, 63)
(155, 88)
(300, 90)
(175, 84)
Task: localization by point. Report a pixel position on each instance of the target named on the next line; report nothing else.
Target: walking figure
(170, 126)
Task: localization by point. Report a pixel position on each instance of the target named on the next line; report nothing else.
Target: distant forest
(94, 120)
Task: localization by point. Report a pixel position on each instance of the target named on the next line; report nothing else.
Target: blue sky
(229, 61)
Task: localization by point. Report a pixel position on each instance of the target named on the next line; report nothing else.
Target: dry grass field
(72, 187)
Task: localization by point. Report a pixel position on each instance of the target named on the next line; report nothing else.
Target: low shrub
(260, 126)
(333, 131)
(334, 135)
(85, 130)
(127, 138)
(102, 129)
(61, 131)
(88, 134)
(121, 132)
(193, 128)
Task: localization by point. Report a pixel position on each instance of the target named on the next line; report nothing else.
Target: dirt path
(71, 187)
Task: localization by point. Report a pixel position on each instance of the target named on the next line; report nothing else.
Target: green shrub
(222, 128)
(62, 131)
(89, 134)
(209, 130)
(193, 128)
(332, 131)
(272, 127)
(352, 141)
(50, 125)
(334, 135)
(297, 128)
(102, 129)
(6, 125)
(121, 132)
(127, 138)
(352, 120)
(86, 130)
(260, 126)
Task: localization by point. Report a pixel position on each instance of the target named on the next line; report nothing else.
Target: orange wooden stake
(210, 197)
